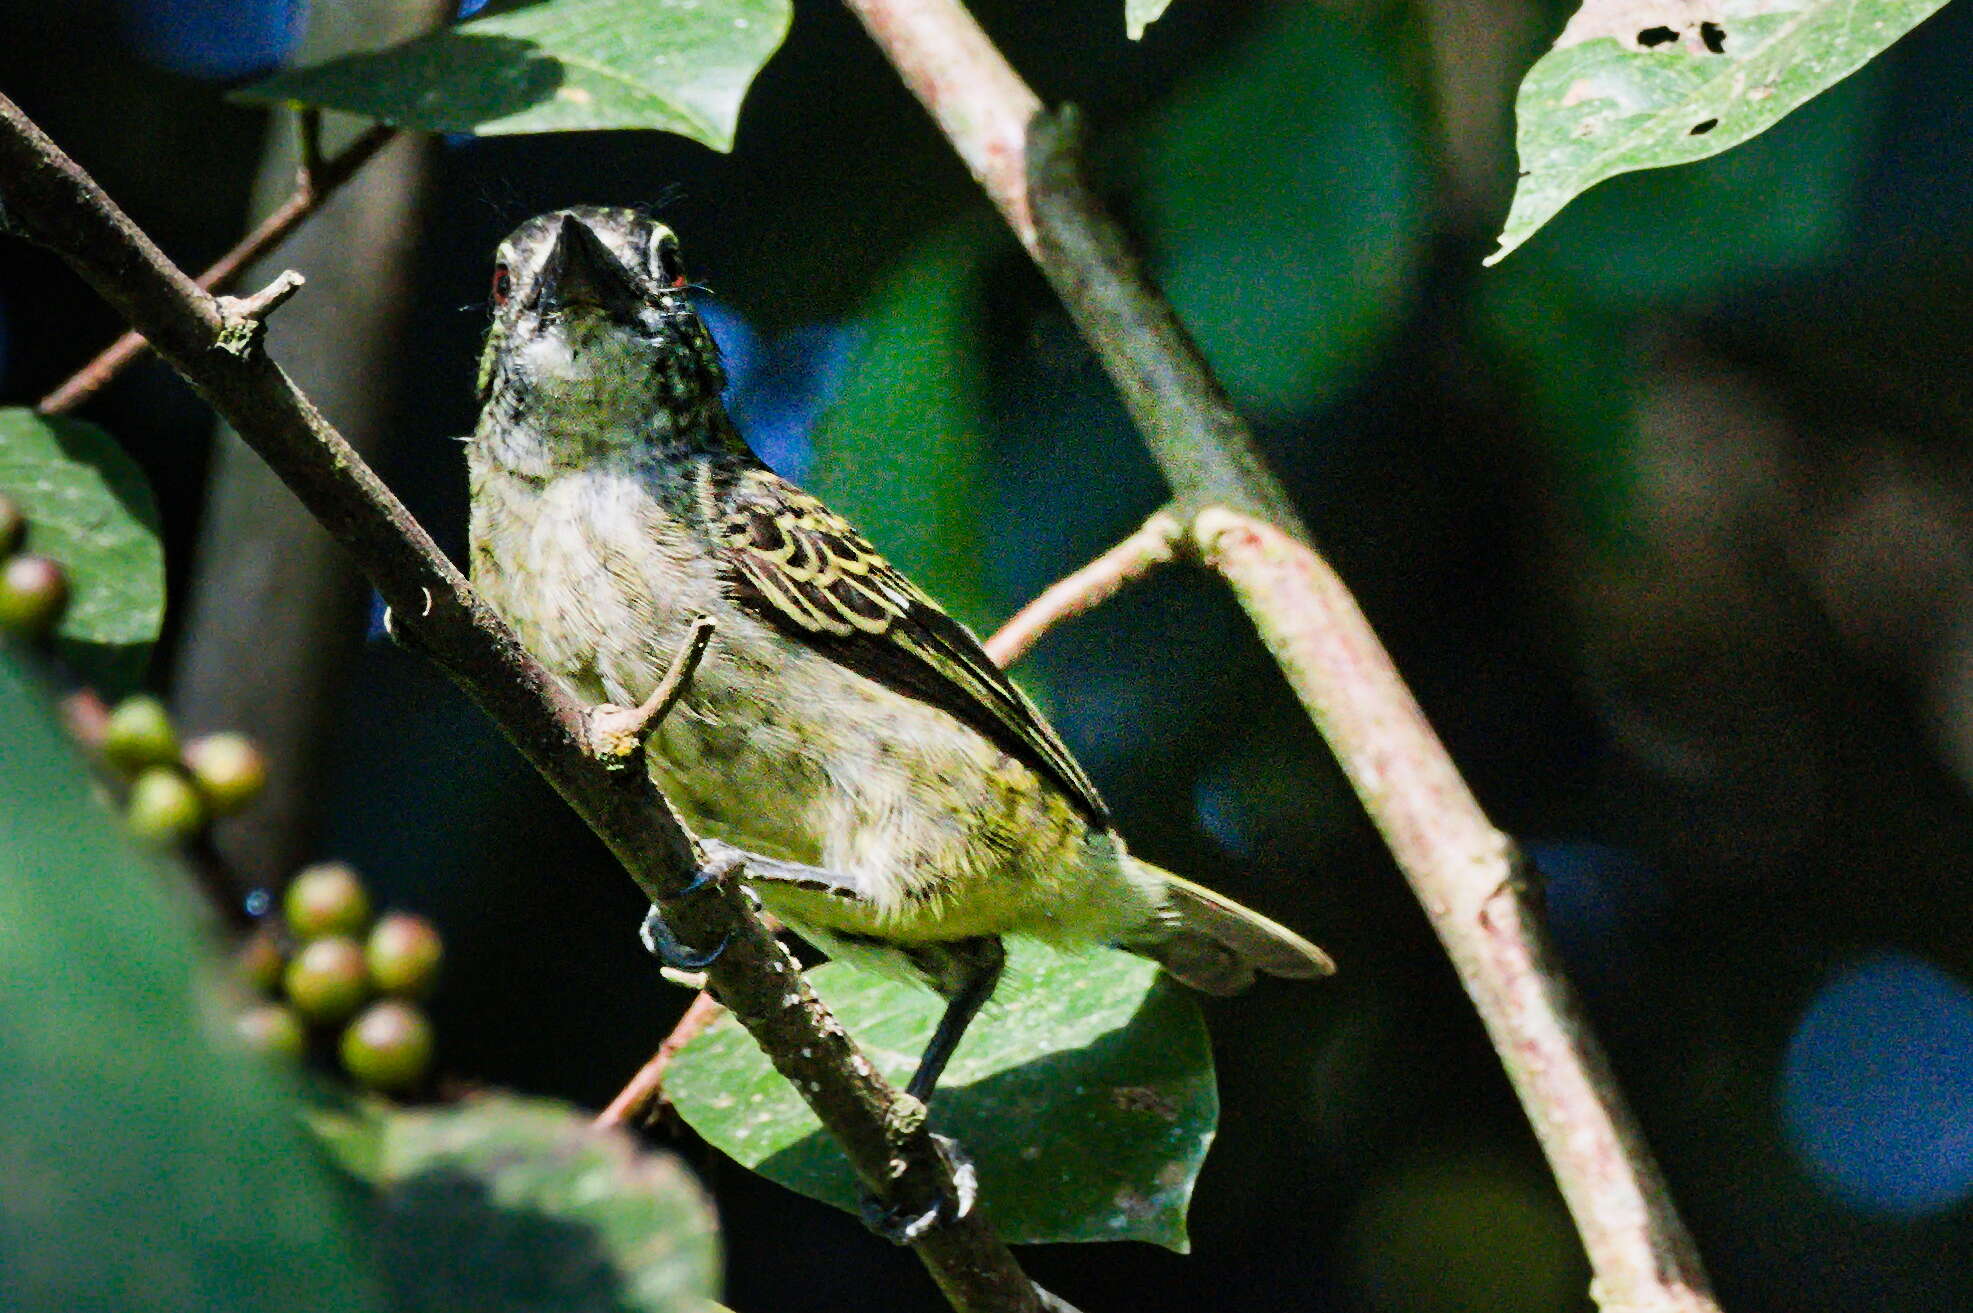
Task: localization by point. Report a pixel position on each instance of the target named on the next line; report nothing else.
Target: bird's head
(593, 331)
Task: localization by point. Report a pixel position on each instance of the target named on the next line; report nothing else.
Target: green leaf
(678, 66)
(1140, 14)
(1288, 258)
(1640, 84)
(1665, 238)
(1084, 1094)
(903, 449)
(509, 1205)
(149, 1162)
(89, 507)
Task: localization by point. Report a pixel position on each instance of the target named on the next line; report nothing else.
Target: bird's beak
(581, 271)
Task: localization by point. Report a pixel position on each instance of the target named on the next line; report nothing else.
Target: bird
(886, 790)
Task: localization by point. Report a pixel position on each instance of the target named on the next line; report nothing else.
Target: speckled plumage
(838, 720)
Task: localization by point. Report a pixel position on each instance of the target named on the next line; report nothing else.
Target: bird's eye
(503, 284)
(671, 265)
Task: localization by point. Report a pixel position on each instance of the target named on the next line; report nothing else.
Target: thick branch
(1463, 870)
(45, 196)
(1474, 886)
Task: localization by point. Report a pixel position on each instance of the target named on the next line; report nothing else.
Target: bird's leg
(966, 972)
(772, 870)
(616, 733)
(721, 860)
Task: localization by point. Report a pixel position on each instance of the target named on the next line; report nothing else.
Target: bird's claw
(660, 940)
(902, 1226)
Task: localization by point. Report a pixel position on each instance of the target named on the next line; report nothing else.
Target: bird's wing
(807, 569)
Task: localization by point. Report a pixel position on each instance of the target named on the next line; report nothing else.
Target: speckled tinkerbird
(887, 791)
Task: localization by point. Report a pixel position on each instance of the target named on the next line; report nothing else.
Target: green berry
(272, 1028)
(327, 981)
(13, 526)
(139, 734)
(389, 1047)
(228, 769)
(164, 808)
(327, 899)
(259, 962)
(33, 594)
(404, 952)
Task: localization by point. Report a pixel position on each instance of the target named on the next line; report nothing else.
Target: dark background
(1667, 519)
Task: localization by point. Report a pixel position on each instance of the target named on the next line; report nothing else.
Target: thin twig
(1464, 871)
(1154, 543)
(639, 1101)
(315, 182)
(617, 733)
(883, 1134)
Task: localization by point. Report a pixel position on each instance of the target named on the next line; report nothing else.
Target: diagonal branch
(45, 196)
(1467, 874)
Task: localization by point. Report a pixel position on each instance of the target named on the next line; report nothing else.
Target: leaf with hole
(89, 507)
(1084, 1094)
(1641, 84)
(678, 66)
(520, 1205)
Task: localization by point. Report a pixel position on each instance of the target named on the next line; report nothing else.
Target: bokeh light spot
(1877, 1086)
(219, 39)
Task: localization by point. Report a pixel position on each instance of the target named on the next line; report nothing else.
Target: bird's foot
(902, 1225)
(659, 938)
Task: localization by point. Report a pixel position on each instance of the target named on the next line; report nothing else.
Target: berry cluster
(322, 967)
(174, 792)
(34, 591)
(328, 963)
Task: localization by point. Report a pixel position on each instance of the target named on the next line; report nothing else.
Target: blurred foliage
(1086, 1099)
(1640, 86)
(901, 448)
(1564, 316)
(1666, 519)
(1290, 258)
(559, 66)
(509, 1205)
(89, 508)
(148, 1162)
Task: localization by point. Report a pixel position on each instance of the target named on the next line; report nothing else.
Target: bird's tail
(1216, 946)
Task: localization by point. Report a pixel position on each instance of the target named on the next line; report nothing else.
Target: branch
(1465, 872)
(1154, 543)
(315, 182)
(644, 1095)
(45, 196)
(1477, 891)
